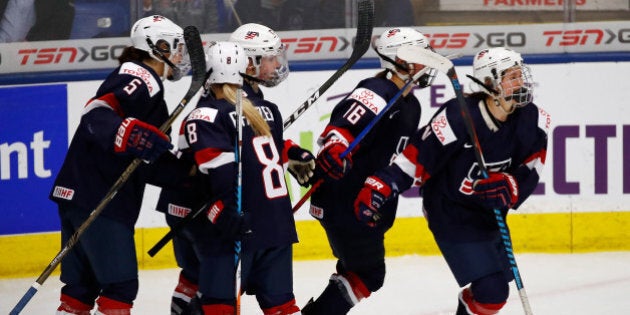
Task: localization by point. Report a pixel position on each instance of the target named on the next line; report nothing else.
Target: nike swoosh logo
(393, 114)
(467, 145)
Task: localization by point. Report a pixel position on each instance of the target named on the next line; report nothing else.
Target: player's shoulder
(378, 85)
(140, 75)
(535, 114)
(209, 110)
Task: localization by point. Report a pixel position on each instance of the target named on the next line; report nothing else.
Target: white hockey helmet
(227, 61)
(158, 35)
(392, 39)
(492, 63)
(262, 42)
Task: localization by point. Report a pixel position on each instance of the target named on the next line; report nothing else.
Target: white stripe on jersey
(143, 74)
(442, 129)
(93, 104)
(407, 166)
(221, 159)
(536, 164)
(371, 100)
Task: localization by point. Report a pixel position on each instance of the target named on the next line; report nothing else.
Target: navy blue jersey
(210, 132)
(441, 159)
(333, 200)
(91, 167)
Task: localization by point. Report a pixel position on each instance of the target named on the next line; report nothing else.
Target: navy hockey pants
(470, 261)
(103, 262)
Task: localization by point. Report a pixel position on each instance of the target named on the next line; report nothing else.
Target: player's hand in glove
(330, 161)
(372, 196)
(231, 224)
(498, 191)
(141, 140)
(301, 164)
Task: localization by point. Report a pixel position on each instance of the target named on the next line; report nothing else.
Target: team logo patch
(203, 113)
(544, 120)
(392, 32)
(316, 212)
(63, 193)
(442, 129)
(143, 74)
(369, 99)
(251, 35)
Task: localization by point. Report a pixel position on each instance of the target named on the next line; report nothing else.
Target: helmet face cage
(392, 39)
(159, 36)
(509, 76)
(227, 61)
(265, 49)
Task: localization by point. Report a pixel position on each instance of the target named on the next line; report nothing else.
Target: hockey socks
(468, 306)
(288, 308)
(107, 306)
(341, 294)
(70, 305)
(183, 295)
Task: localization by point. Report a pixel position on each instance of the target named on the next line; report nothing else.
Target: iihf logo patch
(392, 32)
(251, 35)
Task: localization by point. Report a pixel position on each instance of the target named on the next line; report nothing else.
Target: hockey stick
(362, 42)
(239, 193)
(197, 57)
(421, 56)
(449, 69)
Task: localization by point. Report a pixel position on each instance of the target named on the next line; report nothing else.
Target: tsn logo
(54, 55)
(307, 45)
(585, 37)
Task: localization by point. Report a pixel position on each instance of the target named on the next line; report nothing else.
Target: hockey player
(359, 249)
(117, 125)
(267, 219)
(457, 201)
(266, 66)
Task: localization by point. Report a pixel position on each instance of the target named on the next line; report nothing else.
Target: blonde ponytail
(260, 126)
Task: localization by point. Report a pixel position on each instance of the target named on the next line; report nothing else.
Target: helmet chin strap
(159, 54)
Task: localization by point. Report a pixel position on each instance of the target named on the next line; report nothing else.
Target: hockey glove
(230, 223)
(372, 196)
(498, 191)
(141, 140)
(301, 164)
(330, 161)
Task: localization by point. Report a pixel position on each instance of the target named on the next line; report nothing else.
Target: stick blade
(416, 54)
(197, 56)
(365, 9)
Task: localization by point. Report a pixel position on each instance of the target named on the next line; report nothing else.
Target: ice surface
(593, 283)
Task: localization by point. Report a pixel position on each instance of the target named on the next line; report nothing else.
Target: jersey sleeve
(124, 93)
(533, 135)
(210, 135)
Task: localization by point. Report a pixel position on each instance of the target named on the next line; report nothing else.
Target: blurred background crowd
(34, 20)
